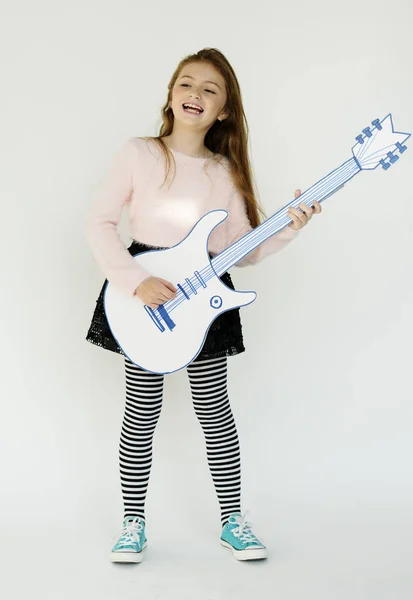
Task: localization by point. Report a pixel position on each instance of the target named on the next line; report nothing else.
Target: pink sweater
(164, 217)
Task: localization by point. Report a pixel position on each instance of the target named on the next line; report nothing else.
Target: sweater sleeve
(238, 224)
(102, 219)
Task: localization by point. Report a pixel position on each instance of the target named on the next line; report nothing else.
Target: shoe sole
(257, 554)
(128, 557)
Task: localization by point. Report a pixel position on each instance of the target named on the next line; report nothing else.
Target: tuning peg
(384, 165)
(367, 131)
(401, 148)
(360, 139)
(392, 157)
(376, 124)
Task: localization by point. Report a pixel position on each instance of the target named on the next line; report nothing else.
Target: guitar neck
(251, 240)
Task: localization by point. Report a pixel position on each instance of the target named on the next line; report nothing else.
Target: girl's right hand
(154, 291)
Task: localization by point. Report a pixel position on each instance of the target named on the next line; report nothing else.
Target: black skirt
(224, 337)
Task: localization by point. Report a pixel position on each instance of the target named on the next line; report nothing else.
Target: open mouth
(192, 108)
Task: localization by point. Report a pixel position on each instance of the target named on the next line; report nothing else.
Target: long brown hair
(228, 138)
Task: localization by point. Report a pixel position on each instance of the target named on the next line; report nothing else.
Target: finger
(302, 217)
(166, 292)
(169, 292)
(162, 297)
(317, 207)
(168, 284)
(297, 193)
(307, 210)
(296, 221)
(292, 213)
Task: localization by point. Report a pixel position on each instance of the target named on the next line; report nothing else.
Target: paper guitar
(168, 338)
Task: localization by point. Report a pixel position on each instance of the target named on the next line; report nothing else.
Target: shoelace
(131, 532)
(243, 531)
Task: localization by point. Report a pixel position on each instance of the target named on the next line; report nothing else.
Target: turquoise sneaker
(131, 543)
(237, 536)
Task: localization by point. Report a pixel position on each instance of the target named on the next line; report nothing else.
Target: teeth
(193, 106)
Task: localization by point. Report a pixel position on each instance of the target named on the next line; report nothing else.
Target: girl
(204, 135)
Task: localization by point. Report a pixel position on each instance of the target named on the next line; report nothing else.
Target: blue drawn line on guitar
(366, 156)
(162, 353)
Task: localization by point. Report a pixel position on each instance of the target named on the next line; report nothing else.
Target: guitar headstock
(380, 144)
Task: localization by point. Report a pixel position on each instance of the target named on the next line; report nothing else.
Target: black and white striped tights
(144, 395)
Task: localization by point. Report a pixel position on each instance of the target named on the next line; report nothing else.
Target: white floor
(316, 558)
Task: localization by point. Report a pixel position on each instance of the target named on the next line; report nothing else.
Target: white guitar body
(167, 350)
(168, 338)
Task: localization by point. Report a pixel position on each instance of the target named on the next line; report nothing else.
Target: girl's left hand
(301, 217)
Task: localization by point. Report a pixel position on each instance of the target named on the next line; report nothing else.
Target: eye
(187, 84)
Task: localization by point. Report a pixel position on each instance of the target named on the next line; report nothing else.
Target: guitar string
(378, 153)
(208, 273)
(308, 196)
(314, 191)
(366, 146)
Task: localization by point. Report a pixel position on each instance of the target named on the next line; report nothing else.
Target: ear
(222, 116)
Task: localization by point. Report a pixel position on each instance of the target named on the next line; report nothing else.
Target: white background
(323, 396)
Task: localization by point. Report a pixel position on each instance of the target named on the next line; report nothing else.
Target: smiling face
(202, 85)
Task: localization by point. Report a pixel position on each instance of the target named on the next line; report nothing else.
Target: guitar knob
(385, 165)
(376, 124)
(401, 148)
(367, 131)
(360, 139)
(216, 302)
(392, 157)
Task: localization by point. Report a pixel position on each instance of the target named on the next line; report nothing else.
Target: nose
(194, 93)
